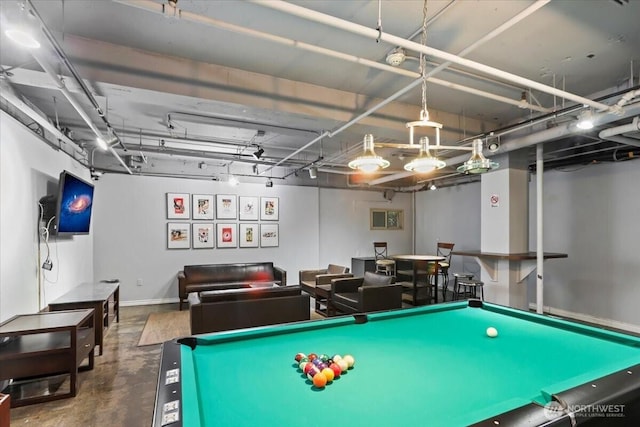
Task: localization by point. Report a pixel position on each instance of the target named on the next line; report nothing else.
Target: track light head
(258, 153)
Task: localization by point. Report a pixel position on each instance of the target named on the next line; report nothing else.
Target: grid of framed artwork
(240, 221)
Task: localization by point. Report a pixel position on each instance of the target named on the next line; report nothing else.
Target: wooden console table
(46, 344)
(103, 297)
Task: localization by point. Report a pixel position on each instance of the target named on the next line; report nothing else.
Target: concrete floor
(119, 391)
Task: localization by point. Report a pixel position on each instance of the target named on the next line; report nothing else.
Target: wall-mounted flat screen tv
(75, 203)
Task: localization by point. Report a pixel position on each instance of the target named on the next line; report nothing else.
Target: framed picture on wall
(269, 209)
(203, 235)
(226, 206)
(202, 206)
(178, 206)
(249, 235)
(269, 236)
(248, 208)
(227, 235)
(178, 234)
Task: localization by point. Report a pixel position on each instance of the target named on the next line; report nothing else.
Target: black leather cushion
(254, 272)
(372, 279)
(249, 293)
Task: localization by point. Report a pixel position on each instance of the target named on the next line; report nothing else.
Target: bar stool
(459, 276)
(471, 287)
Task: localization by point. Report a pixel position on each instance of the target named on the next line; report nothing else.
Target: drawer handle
(87, 345)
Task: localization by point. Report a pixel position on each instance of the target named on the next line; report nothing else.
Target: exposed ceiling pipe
(42, 121)
(74, 102)
(150, 6)
(532, 139)
(634, 126)
(389, 38)
(60, 52)
(612, 134)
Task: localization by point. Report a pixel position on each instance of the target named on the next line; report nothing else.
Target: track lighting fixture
(585, 120)
(258, 153)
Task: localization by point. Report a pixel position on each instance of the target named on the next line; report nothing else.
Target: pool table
(424, 366)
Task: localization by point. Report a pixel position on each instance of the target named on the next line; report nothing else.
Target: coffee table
(103, 297)
(46, 344)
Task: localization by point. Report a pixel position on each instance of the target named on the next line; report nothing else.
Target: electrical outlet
(139, 282)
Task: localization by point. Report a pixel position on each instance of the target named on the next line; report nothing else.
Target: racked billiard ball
(319, 380)
(343, 365)
(313, 371)
(349, 359)
(299, 357)
(336, 370)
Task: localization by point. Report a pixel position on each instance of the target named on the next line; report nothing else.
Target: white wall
(450, 214)
(345, 228)
(131, 229)
(592, 214)
(29, 170)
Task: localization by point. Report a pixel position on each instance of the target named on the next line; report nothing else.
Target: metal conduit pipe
(42, 121)
(60, 52)
(634, 126)
(389, 38)
(160, 8)
(76, 105)
(189, 16)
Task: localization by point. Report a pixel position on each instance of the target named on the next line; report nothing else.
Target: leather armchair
(311, 279)
(373, 292)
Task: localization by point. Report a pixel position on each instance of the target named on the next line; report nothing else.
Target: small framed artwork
(202, 206)
(178, 206)
(248, 208)
(226, 206)
(203, 236)
(269, 209)
(178, 234)
(249, 235)
(227, 235)
(269, 237)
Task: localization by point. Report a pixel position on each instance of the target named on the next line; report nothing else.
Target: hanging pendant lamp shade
(425, 162)
(477, 163)
(369, 162)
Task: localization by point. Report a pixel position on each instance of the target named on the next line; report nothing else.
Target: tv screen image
(75, 202)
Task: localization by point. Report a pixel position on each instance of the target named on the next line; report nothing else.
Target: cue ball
(492, 332)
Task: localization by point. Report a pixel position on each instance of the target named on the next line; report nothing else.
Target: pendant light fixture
(477, 163)
(425, 162)
(369, 162)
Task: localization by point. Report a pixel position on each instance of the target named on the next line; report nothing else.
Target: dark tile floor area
(119, 391)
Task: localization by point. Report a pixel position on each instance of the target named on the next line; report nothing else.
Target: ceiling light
(102, 144)
(433, 187)
(396, 57)
(425, 162)
(477, 163)
(369, 161)
(313, 172)
(269, 183)
(585, 120)
(202, 165)
(257, 154)
(493, 146)
(23, 38)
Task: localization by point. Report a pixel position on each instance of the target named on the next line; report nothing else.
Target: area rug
(161, 327)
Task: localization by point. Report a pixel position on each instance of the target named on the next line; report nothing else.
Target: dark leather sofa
(227, 309)
(208, 277)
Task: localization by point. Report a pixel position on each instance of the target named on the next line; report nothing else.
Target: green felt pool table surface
(431, 363)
